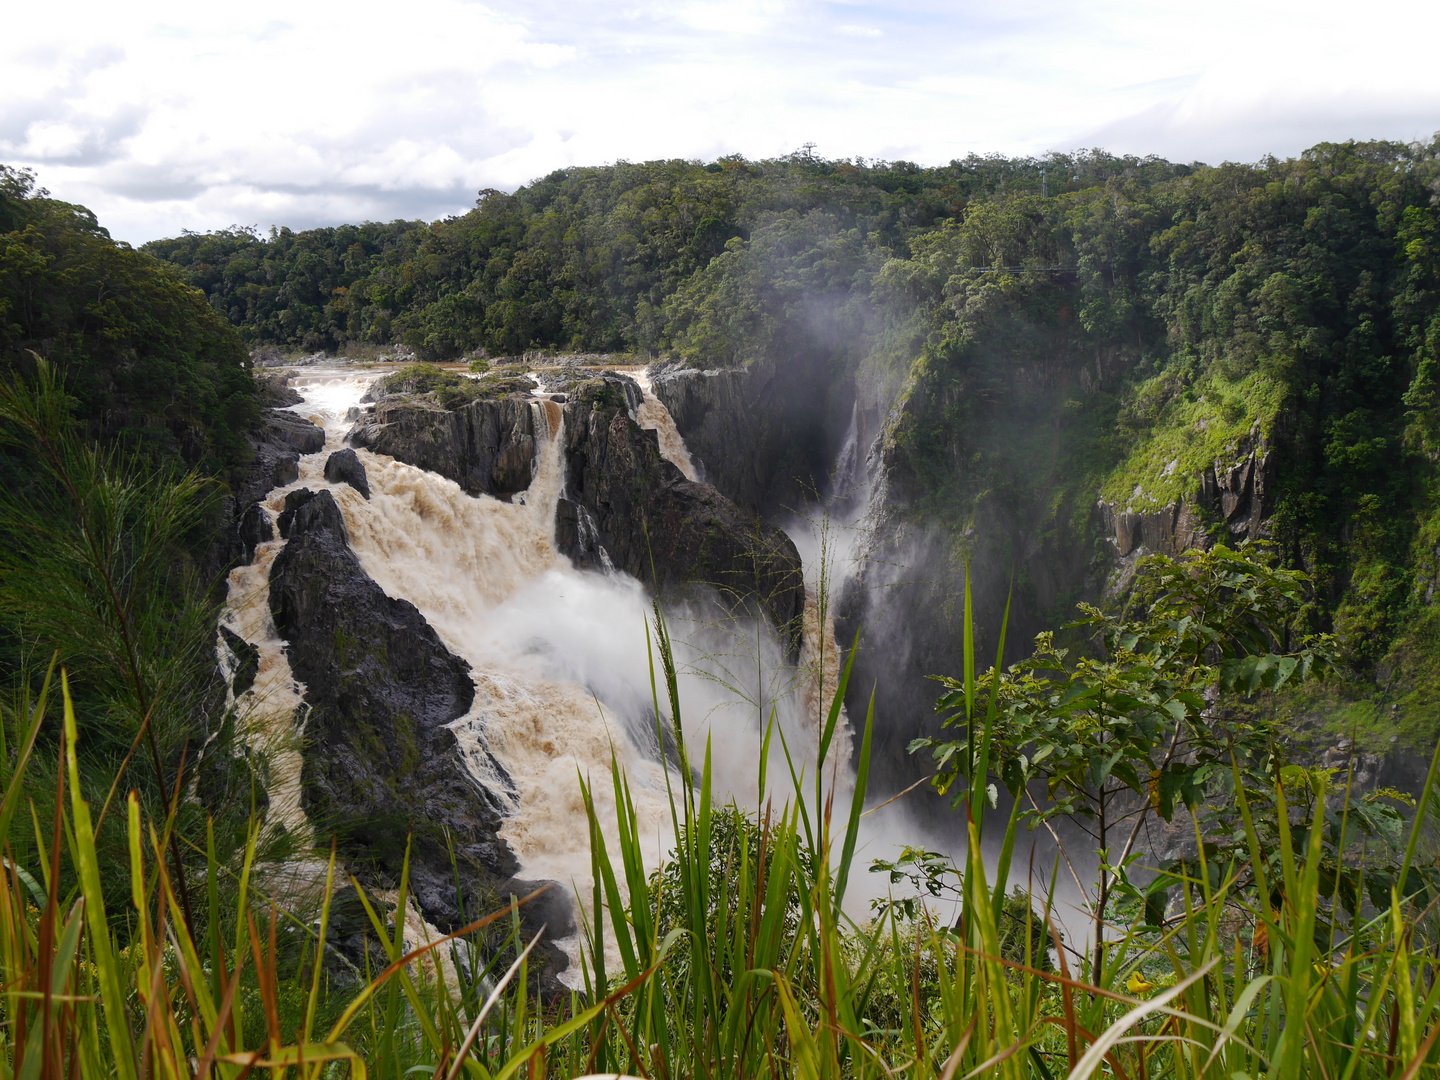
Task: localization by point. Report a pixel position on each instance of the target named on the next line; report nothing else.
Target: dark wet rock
(294, 500)
(277, 441)
(553, 909)
(351, 938)
(380, 762)
(252, 530)
(627, 507)
(275, 389)
(247, 661)
(482, 436)
(634, 511)
(286, 469)
(765, 435)
(343, 467)
(287, 429)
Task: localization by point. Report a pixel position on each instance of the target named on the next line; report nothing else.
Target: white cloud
(164, 115)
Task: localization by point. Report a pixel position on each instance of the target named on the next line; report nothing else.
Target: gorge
(445, 651)
(800, 403)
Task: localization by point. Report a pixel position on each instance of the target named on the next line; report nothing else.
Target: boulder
(343, 467)
(287, 429)
(294, 500)
(275, 389)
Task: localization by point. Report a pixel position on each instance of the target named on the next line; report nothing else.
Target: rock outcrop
(246, 660)
(343, 467)
(380, 763)
(626, 507)
(634, 511)
(1231, 501)
(484, 441)
(278, 441)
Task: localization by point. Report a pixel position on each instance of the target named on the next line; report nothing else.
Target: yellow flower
(1138, 984)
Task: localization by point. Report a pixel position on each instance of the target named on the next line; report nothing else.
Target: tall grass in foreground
(736, 960)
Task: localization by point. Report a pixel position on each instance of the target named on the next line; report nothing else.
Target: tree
(1135, 730)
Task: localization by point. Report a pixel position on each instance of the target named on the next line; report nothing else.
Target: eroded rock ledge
(380, 762)
(1231, 501)
(626, 507)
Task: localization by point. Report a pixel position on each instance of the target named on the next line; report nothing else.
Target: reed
(737, 958)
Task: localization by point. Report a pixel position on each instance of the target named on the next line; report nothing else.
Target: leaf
(1176, 708)
(1013, 773)
(1284, 667)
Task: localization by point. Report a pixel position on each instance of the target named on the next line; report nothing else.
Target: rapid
(560, 658)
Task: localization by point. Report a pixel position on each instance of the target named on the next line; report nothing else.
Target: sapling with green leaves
(1134, 729)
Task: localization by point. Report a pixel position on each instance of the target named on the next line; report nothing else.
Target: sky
(163, 115)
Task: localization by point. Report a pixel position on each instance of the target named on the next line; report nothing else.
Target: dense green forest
(1050, 327)
(147, 361)
(608, 258)
(125, 408)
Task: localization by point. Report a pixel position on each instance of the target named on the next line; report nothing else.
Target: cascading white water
(846, 481)
(559, 656)
(654, 416)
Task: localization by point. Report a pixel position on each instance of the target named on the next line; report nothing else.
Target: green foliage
(589, 258)
(95, 570)
(1147, 715)
(146, 360)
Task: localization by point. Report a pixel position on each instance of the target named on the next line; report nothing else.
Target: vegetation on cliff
(146, 360)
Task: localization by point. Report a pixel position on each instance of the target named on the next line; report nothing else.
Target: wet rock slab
(381, 767)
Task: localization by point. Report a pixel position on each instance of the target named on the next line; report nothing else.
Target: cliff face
(277, 441)
(486, 445)
(1231, 500)
(380, 765)
(625, 506)
(632, 510)
(765, 435)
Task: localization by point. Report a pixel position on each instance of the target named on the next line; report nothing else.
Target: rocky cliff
(276, 441)
(766, 435)
(381, 766)
(479, 433)
(625, 506)
(1232, 500)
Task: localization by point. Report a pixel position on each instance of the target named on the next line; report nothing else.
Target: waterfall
(558, 656)
(654, 416)
(849, 462)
